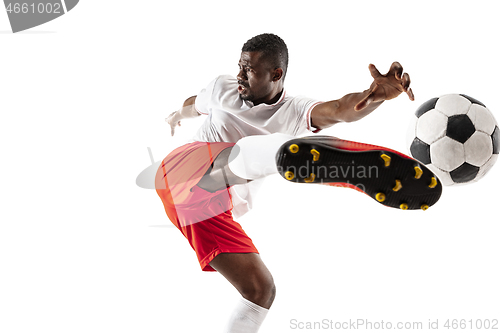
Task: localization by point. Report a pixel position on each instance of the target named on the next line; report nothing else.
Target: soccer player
(254, 129)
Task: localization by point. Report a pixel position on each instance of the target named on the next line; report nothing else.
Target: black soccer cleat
(388, 176)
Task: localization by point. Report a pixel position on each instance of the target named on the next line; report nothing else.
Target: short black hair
(273, 49)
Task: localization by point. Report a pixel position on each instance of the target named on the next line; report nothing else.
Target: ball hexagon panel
(478, 149)
(453, 104)
(427, 106)
(460, 128)
(447, 154)
(464, 173)
(431, 126)
(482, 118)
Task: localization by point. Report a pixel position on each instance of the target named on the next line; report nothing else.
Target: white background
(83, 249)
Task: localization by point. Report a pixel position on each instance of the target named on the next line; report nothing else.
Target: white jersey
(230, 119)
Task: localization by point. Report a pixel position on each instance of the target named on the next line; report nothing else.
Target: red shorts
(203, 217)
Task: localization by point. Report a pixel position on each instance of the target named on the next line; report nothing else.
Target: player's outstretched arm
(187, 111)
(355, 106)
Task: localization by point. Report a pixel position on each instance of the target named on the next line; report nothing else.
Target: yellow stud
(387, 159)
(424, 207)
(294, 148)
(418, 172)
(310, 179)
(433, 182)
(380, 197)
(398, 186)
(403, 206)
(289, 175)
(315, 154)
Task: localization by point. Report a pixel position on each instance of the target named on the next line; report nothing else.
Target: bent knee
(261, 293)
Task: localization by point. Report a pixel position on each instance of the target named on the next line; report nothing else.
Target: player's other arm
(355, 106)
(187, 110)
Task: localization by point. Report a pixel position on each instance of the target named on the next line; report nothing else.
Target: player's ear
(277, 74)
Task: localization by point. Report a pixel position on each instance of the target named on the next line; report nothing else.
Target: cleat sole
(318, 161)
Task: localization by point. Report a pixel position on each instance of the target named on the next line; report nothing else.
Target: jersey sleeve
(203, 99)
(303, 107)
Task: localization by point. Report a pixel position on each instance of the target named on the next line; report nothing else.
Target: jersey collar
(283, 93)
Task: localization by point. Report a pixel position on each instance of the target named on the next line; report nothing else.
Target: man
(251, 131)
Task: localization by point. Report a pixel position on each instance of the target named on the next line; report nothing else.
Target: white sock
(246, 318)
(254, 156)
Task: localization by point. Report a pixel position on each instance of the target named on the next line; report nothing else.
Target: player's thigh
(245, 271)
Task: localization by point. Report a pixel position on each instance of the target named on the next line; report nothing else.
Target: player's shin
(247, 317)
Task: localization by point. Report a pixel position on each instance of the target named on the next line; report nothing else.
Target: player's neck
(272, 98)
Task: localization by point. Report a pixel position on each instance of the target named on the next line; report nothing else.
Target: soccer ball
(456, 137)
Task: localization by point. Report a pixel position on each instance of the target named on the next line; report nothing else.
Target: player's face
(255, 78)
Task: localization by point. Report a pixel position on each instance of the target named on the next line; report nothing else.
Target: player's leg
(219, 176)
(205, 219)
(251, 158)
(250, 276)
(391, 178)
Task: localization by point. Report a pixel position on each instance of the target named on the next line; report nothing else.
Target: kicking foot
(389, 177)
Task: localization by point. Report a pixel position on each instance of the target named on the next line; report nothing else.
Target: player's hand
(173, 120)
(386, 87)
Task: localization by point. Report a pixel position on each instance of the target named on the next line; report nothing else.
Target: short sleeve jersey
(231, 118)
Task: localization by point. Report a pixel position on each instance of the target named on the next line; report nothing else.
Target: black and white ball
(456, 136)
